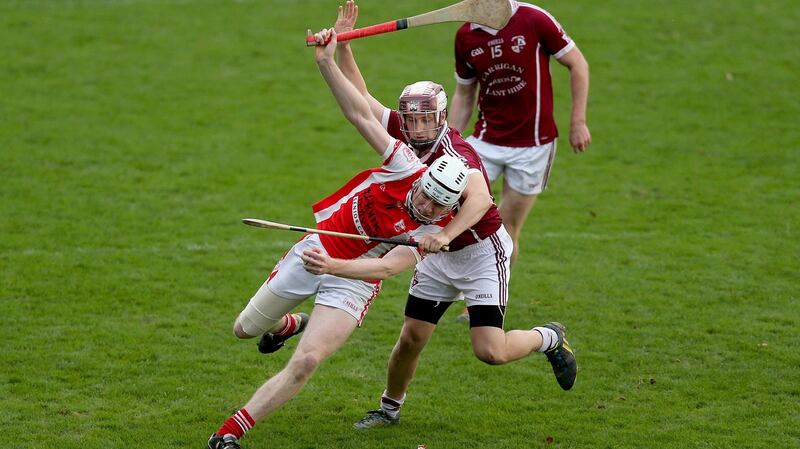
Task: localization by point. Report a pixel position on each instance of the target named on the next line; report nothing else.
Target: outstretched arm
(346, 21)
(399, 259)
(579, 136)
(351, 102)
(462, 105)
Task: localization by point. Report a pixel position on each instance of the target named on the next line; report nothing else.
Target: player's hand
(346, 19)
(433, 243)
(326, 44)
(579, 137)
(315, 261)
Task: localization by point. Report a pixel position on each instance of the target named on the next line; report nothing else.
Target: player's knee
(411, 340)
(303, 365)
(239, 332)
(490, 356)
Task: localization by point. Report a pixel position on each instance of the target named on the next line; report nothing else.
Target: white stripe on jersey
(466, 81)
(385, 118)
(543, 11)
(570, 43)
(449, 149)
(565, 50)
(538, 96)
(375, 177)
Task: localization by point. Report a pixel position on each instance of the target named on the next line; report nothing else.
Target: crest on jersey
(518, 43)
(400, 226)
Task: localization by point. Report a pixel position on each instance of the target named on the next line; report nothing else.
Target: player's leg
(482, 275)
(514, 208)
(405, 355)
(402, 365)
(327, 330)
(267, 314)
(422, 315)
(494, 346)
(526, 175)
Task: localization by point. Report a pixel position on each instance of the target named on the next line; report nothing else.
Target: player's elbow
(394, 267)
(360, 119)
(381, 274)
(580, 67)
(482, 201)
(389, 270)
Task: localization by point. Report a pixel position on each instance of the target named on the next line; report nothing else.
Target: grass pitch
(135, 134)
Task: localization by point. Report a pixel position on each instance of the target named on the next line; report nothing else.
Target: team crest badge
(518, 43)
(400, 226)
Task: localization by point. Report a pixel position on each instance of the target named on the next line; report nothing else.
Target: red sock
(291, 325)
(237, 425)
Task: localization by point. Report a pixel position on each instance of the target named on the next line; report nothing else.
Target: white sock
(391, 406)
(549, 338)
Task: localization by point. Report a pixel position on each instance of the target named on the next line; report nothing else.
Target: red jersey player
(476, 269)
(515, 134)
(401, 199)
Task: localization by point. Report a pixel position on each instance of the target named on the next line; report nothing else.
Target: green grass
(135, 134)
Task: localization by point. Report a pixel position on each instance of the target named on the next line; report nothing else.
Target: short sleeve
(391, 122)
(553, 37)
(399, 158)
(465, 73)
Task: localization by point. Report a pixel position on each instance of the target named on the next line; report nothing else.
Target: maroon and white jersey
(512, 65)
(450, 142)
(373, 204)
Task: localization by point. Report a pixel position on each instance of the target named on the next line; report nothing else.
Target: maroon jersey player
(515, 133)
(476, 269)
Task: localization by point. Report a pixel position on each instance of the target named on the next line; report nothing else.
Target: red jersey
(450, 142)
(373, 204)
(512, 65)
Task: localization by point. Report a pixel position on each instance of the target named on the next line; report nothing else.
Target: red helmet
(427, 100)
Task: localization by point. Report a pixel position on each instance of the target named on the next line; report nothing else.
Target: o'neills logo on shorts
(483, 296)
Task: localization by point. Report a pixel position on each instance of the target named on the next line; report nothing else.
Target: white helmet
(422, 97)
(444, 182)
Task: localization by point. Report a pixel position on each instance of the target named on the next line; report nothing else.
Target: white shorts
(290, 280)
(526, 169)
(478, 273)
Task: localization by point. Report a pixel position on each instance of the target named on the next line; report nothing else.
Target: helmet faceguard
(436, 193)
(423, 108)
